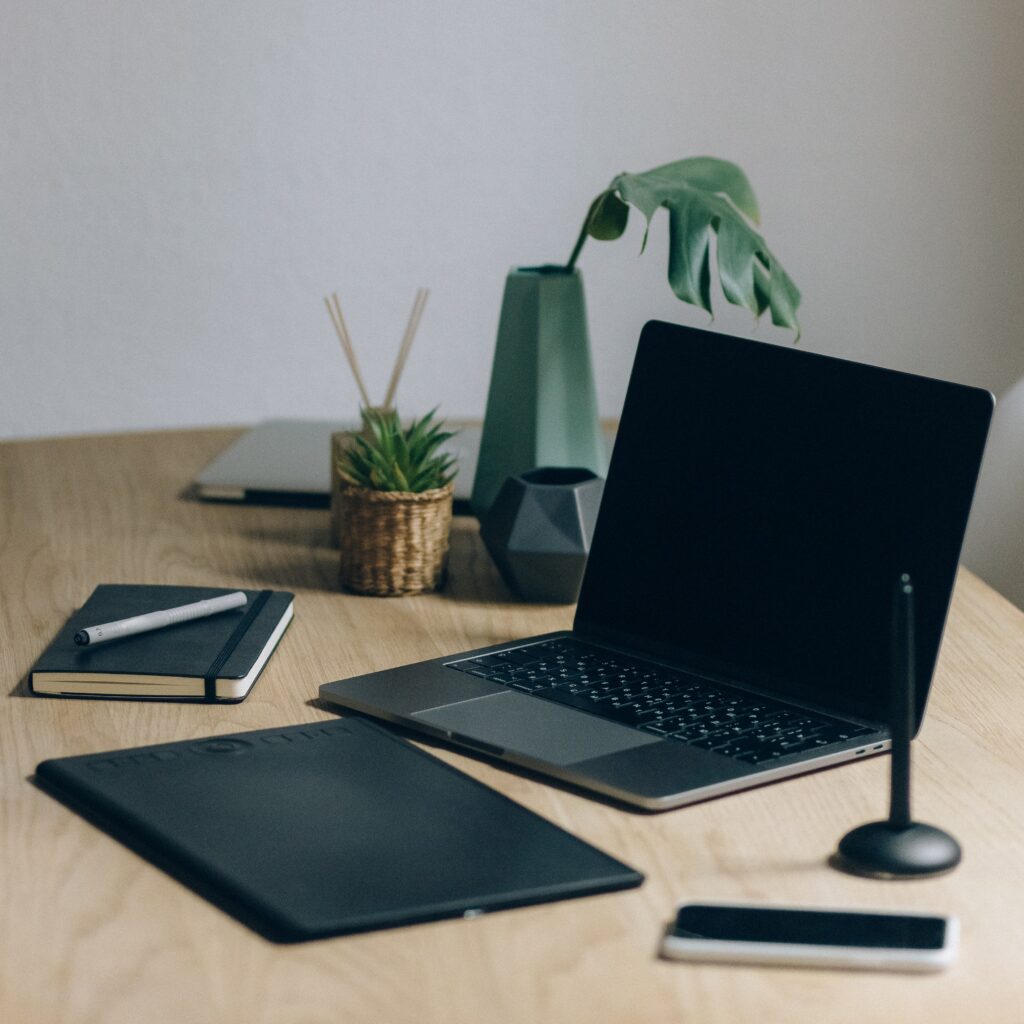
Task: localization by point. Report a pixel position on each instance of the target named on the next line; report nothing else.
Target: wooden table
(91, 932)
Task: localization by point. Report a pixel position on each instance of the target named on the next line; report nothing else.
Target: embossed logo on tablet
(222, 746)
(133, 760)
(311, 733)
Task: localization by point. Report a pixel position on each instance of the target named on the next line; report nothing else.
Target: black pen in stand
(899, 847)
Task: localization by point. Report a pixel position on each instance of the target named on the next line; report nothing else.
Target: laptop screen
(761, 503)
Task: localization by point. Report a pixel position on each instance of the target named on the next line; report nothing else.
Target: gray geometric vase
(539, 528)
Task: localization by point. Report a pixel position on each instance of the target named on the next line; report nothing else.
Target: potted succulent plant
(395, 505)
(542, 405)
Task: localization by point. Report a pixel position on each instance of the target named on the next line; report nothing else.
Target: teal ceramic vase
(542, 404)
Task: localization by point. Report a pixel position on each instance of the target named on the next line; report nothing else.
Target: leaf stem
(571, 265)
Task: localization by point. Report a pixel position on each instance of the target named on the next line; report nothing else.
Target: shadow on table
(21, 688)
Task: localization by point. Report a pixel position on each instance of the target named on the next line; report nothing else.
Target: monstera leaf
(703, 196)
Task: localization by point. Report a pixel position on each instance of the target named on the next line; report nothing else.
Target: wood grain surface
(92, 933)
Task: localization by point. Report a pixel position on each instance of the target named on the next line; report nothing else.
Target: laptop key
(794, 746)
(736, 750)
(662, 726)
(656, 727)
(706, 742)
(627, 714)
(690, 733)
(648, 716)
(528, 683)
(758, 756)
(571, 700)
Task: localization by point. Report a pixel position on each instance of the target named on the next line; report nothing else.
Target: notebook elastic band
(210, 679)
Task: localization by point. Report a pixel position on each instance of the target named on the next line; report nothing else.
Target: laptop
(288, 462)
(733, 626)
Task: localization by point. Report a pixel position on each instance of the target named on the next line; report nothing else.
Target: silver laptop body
(733, 626)
(290, 459)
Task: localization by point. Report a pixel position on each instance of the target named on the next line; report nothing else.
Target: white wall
(183, 181)
(995, 540)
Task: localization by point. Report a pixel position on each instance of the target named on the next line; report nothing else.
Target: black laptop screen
(761, 503)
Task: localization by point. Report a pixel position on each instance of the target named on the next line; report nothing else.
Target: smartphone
(812, 938)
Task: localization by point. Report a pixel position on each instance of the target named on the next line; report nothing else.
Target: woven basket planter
(393, 542)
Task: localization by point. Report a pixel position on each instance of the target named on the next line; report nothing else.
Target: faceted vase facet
(542, 403)
(538, 531)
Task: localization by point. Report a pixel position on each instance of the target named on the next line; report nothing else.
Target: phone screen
(810, 927)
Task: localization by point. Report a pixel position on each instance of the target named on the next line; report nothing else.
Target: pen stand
(899, 847)
(882, 849)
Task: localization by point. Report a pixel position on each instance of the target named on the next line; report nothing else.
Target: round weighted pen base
(880, 850)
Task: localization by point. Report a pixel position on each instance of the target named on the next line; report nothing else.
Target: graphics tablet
(323, 829)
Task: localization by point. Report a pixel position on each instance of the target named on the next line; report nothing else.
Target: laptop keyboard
(661, 700)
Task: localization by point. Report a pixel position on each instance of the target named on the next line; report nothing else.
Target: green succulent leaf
(388, 457)
(704, 197)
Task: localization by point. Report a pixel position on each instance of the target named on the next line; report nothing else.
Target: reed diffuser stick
(403, 351)
(350, 349)
(338, 319)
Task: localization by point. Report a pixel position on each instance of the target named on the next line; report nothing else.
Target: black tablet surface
(329, 828)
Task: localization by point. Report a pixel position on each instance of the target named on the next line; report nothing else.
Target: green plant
(390, 457)
(704, 196)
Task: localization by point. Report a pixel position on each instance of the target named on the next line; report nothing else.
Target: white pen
(157, 620)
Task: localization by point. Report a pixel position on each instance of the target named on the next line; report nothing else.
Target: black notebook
(336, 827)
(217, 658)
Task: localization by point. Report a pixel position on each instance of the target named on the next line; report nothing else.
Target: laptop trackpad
(534, 727)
